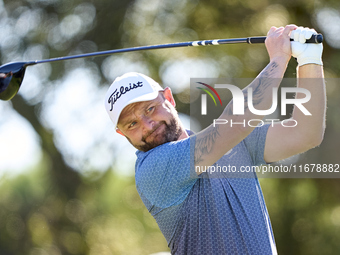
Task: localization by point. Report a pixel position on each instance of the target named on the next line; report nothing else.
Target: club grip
(316, 38)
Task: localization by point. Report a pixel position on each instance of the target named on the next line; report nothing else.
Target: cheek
(167, 109)
(134, 136)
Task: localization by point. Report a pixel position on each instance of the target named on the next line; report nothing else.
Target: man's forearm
(262, 87)
(312, 127)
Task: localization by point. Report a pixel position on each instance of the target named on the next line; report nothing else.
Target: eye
(132, 124)
(150, 109)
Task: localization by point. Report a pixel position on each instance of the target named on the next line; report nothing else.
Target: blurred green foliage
(103, 217)
(55, 209)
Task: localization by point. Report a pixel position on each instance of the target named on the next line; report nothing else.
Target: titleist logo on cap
(122, 90)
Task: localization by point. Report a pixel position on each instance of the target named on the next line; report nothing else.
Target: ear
(119, 132)
(168, 96)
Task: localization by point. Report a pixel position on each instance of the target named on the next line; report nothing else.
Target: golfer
(199, 214)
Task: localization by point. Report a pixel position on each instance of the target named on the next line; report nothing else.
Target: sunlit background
(67, 178)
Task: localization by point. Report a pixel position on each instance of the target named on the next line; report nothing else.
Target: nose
(148, 124)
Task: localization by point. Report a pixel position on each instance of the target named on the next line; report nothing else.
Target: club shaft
(250, 40)
(150, 47)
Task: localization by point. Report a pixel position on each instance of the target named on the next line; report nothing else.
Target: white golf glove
(305, 53)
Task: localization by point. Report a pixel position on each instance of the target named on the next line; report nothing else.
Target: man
(202, 215)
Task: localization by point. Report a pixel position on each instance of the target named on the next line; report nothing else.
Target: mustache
(153, 130)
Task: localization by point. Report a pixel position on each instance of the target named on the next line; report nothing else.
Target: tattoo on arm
(204, 145)
(260, 85)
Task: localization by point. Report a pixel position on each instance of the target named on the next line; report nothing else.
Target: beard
(172, 132)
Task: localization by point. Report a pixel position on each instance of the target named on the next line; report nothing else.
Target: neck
(184, 134)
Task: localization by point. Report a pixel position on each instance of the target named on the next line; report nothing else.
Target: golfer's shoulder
(164, 155)
(166, 150)
(259, 132)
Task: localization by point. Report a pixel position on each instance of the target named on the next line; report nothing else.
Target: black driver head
(11, 77)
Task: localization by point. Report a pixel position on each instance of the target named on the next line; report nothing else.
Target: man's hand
(305, 53)
(278, 42)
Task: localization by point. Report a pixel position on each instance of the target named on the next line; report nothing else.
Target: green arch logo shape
(209, 93)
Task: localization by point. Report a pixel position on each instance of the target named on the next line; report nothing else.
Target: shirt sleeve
(165, 174)
(255, 143)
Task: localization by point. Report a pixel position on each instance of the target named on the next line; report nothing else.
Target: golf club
(12, 74)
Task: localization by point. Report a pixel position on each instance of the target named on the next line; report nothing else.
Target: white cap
(127, 89)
